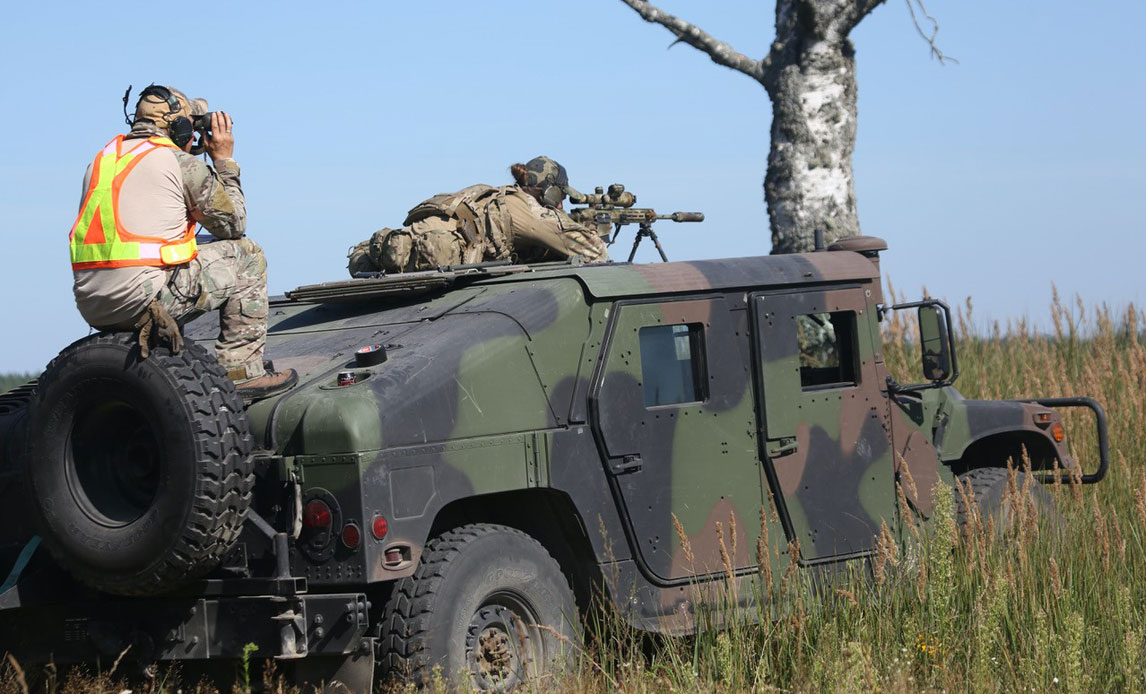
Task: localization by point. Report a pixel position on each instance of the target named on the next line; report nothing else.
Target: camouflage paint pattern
(830, 445)
(530, 380)
(961, 422)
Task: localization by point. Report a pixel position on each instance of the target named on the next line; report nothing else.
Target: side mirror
(936, 346)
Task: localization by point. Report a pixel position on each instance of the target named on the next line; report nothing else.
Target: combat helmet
(551, 177)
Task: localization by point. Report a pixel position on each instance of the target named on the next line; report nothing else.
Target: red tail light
(316, 515)
(351, 536)
(379, 527)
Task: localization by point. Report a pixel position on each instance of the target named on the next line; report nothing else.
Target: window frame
(848, 358)
(698, 358)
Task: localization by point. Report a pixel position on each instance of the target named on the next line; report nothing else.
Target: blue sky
(1020, 166)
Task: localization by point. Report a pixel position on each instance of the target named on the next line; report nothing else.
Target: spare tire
(139, 470)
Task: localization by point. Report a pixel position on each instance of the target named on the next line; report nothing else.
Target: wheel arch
(995, 449)
(547, 515)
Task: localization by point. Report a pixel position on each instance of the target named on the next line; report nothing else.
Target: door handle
(783, 447)
(628, 463)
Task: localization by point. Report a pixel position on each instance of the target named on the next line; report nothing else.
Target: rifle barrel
(683, 216)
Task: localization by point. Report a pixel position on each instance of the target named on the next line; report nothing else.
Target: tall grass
(1017, 605)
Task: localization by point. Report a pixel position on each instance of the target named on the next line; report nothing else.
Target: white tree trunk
(809, 184)
(810, 77)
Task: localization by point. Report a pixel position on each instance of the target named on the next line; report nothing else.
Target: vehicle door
(672, 402)
(826, 435)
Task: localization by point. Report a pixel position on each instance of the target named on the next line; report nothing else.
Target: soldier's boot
(270, 383)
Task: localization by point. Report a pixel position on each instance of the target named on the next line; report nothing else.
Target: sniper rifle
(609, 210)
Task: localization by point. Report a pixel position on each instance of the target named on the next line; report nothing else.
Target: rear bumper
(173, 629)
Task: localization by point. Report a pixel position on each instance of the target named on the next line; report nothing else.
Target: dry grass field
(1026, 606)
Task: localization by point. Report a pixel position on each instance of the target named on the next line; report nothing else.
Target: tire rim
(503, 642)
(113, 458)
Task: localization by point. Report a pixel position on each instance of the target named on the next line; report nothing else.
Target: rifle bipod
(646, 229)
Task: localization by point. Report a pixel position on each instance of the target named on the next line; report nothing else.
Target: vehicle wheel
(989, 493)
(486, 604)
(139, 471)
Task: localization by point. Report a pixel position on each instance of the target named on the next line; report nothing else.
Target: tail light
(351, 536)
(317, 515)
(379, 527)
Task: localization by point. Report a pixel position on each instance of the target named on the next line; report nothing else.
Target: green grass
(1033, 606)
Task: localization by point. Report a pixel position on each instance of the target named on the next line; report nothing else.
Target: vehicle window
(827, 349)
(672, 364)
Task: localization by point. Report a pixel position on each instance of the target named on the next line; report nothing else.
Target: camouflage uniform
(476, 224)
(228, 275)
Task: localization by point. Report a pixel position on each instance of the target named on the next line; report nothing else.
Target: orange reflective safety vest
(98, 238)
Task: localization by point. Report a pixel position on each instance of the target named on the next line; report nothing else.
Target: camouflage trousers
(229, 276)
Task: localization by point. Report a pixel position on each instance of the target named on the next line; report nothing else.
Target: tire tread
(225, 472)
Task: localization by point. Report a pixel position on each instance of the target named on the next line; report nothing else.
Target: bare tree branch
(720, 52)
(930, 39)
(864, 8)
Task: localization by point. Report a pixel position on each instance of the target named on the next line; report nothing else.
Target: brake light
(379, 527)
(316, 515)
(1058, 432)
(351, 536)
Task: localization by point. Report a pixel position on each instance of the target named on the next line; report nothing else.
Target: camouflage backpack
(467, 207)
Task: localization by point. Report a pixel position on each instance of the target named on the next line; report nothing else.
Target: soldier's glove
(156, 320)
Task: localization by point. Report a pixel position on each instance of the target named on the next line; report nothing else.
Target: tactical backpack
(467, 207)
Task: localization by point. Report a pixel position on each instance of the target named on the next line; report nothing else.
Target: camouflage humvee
(471, 454)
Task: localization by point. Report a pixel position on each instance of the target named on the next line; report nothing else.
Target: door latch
(628, 463)
(783, 447)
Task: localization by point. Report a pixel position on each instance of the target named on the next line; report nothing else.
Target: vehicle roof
(613, 280)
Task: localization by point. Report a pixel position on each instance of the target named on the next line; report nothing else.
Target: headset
(180, 130)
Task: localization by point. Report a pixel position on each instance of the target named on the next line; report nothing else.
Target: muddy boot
(270, 383)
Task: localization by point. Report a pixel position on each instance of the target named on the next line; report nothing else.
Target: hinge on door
(783, 447)
(628, 463)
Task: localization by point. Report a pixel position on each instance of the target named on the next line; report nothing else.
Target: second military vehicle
(470, 455)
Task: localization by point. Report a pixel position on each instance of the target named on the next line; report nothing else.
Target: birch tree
(809, 73)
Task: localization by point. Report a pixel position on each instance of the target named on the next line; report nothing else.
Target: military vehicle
(471, 454)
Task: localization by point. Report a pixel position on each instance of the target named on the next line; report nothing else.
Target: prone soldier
(525, 221)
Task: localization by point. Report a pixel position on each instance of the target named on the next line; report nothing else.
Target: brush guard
(1103, 438)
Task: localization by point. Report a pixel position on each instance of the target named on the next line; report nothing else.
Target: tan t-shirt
(161, 194)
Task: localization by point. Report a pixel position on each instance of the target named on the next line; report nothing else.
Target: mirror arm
(950, 380)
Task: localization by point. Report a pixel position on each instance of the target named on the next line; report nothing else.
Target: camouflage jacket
(214, 197)
(115, 297)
